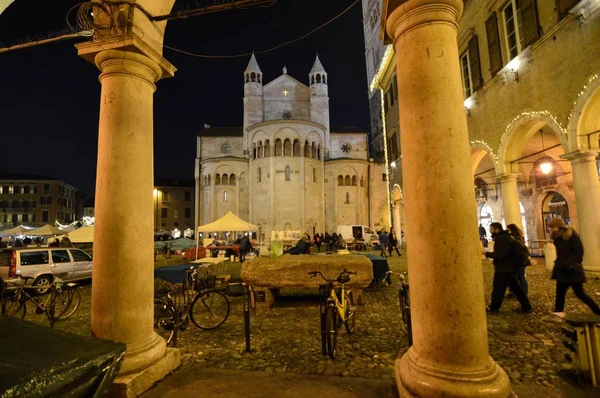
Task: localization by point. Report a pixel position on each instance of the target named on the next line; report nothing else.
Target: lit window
(11, 189)
(225, 196)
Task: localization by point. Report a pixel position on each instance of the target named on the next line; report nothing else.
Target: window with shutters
(493, 39)
(520, 25)
(466, 74)
(471, 68)
(563, 7)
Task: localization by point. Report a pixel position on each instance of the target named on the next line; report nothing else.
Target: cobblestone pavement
(286, 339)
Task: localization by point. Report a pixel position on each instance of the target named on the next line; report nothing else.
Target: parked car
(42, 263)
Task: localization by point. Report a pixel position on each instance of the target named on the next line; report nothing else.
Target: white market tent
(16, 231)
(81, 235)
(46, 230)
(228, 223)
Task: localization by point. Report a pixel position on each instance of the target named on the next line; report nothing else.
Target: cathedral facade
(285, 168)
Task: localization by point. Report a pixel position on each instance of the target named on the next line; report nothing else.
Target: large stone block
(292, 270)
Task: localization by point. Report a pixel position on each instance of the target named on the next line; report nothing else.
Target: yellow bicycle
(338, 309)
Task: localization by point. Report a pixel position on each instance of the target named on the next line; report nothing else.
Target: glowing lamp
(513, 66)
(546, 167)
(393, 164)
(155, 192)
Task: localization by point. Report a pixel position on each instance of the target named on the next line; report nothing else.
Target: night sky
(49, 97)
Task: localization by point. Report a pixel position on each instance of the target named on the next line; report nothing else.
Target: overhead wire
(246, 54)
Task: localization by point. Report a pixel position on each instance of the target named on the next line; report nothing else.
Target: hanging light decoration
(546, 164)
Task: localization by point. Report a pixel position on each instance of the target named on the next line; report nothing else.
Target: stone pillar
(122, 286)
(510, 200)
(396, 220)
(587, 198)
(450, 355)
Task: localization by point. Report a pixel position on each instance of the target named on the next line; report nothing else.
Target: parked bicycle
(404, 298)
(338, 309)
(195, 299)
(60, 302)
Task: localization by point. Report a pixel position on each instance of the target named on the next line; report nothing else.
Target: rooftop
(221, 132)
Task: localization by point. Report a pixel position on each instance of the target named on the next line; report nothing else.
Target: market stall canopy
(46, 230)
(177, 244)
(20, 230)
(81, 235)
(229, 222)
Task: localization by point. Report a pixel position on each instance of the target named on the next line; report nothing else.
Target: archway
(531, 158)
(554, 206)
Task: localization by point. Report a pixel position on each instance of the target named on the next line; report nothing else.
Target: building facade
(531, 84)
(174, 205)
(35, 201)
(285, 169)
(374, 50)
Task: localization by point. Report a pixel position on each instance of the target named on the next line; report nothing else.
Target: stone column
(122, 287)
(396, 220)
(450, 355)
(587, 197)
(510, 199)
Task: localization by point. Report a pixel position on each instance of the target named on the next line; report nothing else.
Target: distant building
(34, 200)
(174, 204)
(374, 50)
(88, 207)
(286, 169)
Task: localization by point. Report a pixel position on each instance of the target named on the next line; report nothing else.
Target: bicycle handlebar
(345, 271)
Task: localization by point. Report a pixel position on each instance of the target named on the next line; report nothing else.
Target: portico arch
(584, 124)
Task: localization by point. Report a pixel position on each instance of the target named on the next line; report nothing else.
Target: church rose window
(346, 148)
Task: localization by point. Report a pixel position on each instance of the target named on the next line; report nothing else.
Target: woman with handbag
(568, 267)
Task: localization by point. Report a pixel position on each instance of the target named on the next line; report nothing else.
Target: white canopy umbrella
(81, 235)
(46, 230)
(229, 222)
(20, 230)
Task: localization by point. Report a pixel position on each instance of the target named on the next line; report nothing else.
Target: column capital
(508, 177)
(398, 19)
(111, 62)
(131, 44)
(582, 156)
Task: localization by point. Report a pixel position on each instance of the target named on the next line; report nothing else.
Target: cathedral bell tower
(319, 100)
(253, 97)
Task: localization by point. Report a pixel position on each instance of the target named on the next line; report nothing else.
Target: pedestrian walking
(482, 231)
(383, 242)
(393, 243)
(505, 267)
(568, 267)
(334, 241)
(516, 233)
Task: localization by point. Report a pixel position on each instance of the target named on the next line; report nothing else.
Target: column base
(134, 384)
(591, 270)
(416, 380)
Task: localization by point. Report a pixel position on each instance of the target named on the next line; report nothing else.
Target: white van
(42, 263)
(358, 232)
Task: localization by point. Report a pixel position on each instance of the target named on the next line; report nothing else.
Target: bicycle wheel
(164, 319)
(350, 314)
(331, 330)
(209, 309)
(74, 299)
(15, 308)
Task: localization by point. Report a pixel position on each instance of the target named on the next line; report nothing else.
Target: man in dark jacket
(245, 247)
(568, 267)
(505, 268)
